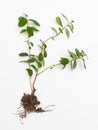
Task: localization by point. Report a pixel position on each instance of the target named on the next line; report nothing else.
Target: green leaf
(71, 65)
(70, 27)
(45, 53)
(30, 72)
(35, 22)
(35, 29)
(23, 54)
(78, 53)
(30, 31)
(23, 30)
(26, 15)
(84, 63)
(31, 43)
(31, 60)
(65, 17)
(74, 64)
(83, 53)
(45, 46)
(40, 56)
(34, 67)
(64, 61)
(67, 33)
(22, 21)
(59, 22)
(23, 61)
(30, 48)
(39, 64)
(72, 21)
(72, 55)
(60, 30)
(54, 29)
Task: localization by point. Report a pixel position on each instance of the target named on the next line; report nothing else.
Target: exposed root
(30, 103)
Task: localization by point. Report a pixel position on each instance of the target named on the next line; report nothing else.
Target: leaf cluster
(35, 62)
(69, 28)
(73, 59)
(28, 25)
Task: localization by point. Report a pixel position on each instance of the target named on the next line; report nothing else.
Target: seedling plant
(36, 62)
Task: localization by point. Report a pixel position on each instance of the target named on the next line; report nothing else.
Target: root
(30, 103)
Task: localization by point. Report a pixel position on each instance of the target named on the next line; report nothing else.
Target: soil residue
(30, 103)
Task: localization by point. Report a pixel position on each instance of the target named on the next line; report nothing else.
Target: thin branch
(53, 37)
(49, 67)
(54, 65)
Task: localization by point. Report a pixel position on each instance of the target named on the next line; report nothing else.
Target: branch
(49, 67)
(53, 37)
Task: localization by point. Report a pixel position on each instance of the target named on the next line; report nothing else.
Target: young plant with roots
(36, 62)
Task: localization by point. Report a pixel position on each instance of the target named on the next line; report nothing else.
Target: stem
(49, 67)
(29, 52)
(34, 82)
(29, 63)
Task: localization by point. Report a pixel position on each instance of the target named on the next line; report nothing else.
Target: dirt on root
(30, 104)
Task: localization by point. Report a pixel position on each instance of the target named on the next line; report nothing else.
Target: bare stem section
(29, 53)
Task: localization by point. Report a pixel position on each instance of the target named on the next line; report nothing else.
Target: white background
(74, 93)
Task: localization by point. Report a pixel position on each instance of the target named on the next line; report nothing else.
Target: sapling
(36, 62)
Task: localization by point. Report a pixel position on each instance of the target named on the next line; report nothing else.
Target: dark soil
(30, 104)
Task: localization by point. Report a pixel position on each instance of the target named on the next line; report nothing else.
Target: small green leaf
(23, 30)
(35, 29)
(25, 15)
(71, 65)
(70, 27)
(65, 17)
(74, 64)
(64, 61)
(45, 46)
(78, 53)
(31, 60)
(72, 55)
(30, 48)
(59, 22)
(30, 72)
(67, 33)
(35, 22)
(72, 21)
(22, 21)
(43, 43)
(23, 54)
(40, 56)
(84, 63)
(31, 43)
(34, 67)
(83, 53)
(54, 29)
(23, 61)
(30, 31)
(45, 53)
(60, 30)
(39, 64)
